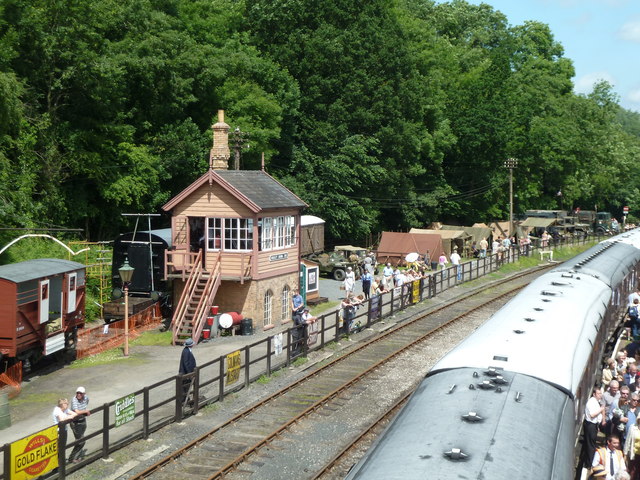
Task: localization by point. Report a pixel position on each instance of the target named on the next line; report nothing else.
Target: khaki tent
(450, 238)
(394, 246)
(476, 232)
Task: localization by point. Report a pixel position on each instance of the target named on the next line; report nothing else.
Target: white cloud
(585, 83)
(630, 31)
(634, 95)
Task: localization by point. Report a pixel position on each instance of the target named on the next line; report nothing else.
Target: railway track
(224, 450)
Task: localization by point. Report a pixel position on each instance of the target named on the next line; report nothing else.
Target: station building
(235, 244)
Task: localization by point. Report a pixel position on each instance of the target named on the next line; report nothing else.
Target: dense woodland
(379, 114)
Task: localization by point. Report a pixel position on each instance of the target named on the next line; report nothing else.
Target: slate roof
(261, 188)
(255, 188)
(39, 268)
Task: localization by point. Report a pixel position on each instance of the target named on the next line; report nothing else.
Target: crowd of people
(614, 410)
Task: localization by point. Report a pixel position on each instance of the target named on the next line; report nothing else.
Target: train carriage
(41, 307)
(508, 401)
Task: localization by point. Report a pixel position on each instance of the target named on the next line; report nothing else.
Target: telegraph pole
(511, 163)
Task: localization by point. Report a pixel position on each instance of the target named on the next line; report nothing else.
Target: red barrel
(206, 333)
(229, 319)
(214, 310)
(210, 320)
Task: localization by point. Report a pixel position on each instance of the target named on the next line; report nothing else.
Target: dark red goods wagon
(41, 307)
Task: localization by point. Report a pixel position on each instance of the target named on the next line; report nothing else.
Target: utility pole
(239, 139)
(511, 163)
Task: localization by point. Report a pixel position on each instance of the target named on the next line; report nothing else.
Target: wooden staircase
(198, 295)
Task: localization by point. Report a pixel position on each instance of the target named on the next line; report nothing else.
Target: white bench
(548, 253)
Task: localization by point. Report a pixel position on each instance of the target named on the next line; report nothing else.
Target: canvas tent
(395, 245)
(450, 238)
(476, 233)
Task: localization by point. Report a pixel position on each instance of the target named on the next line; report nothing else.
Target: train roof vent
(456, 454)
(493, 371)
(561, 284)
(529, 319)
(567, 275)
(546, 300)
(538, 309)
(550, 293)
(519, 332)
(472, 417)
(486, 385)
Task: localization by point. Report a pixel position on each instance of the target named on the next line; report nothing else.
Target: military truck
(600, 223)
(335, 263)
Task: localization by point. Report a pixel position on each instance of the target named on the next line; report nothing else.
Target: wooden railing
(182, 261)
(183, 303)
(206, 300)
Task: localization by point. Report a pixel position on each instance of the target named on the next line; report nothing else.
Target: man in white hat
(80, 406)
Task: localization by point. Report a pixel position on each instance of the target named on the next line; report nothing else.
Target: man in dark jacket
(187, 365)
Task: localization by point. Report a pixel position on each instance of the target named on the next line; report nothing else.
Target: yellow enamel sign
(35, 455)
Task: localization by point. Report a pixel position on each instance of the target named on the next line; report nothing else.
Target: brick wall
(248, 298)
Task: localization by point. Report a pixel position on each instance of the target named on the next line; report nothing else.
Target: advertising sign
(415, 291)
(34, 455)
(233, 367)
(125, 409)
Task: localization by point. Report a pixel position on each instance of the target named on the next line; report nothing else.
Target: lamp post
(126, 272)
(511, 163)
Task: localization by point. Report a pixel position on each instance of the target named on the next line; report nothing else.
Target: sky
(602, 37)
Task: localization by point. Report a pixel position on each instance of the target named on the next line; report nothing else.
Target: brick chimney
(219, 156)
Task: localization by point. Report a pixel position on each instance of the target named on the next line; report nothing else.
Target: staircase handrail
(206, 299)
(183, 303)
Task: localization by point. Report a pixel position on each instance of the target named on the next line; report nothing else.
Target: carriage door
(72, 279)
(43, 303)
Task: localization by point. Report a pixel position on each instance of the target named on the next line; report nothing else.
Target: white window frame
(235, 234)
(290, 231)
(279, 233)
(214, 232)
(286, 304)
(267, 309)
(266, 238)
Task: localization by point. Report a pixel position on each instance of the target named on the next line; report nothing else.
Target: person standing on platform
(483, 248)
(387, 277)
(349, 282)
(297, 305)
(61, 412)
(442, 264)
(594, 416)
(187, 366)
(610, 458)
(455, 261)
(80, 406)
(366, 283)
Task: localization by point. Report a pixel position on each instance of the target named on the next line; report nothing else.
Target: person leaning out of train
(62, 412)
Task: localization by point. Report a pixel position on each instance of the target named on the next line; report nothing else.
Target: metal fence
(170, 400)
